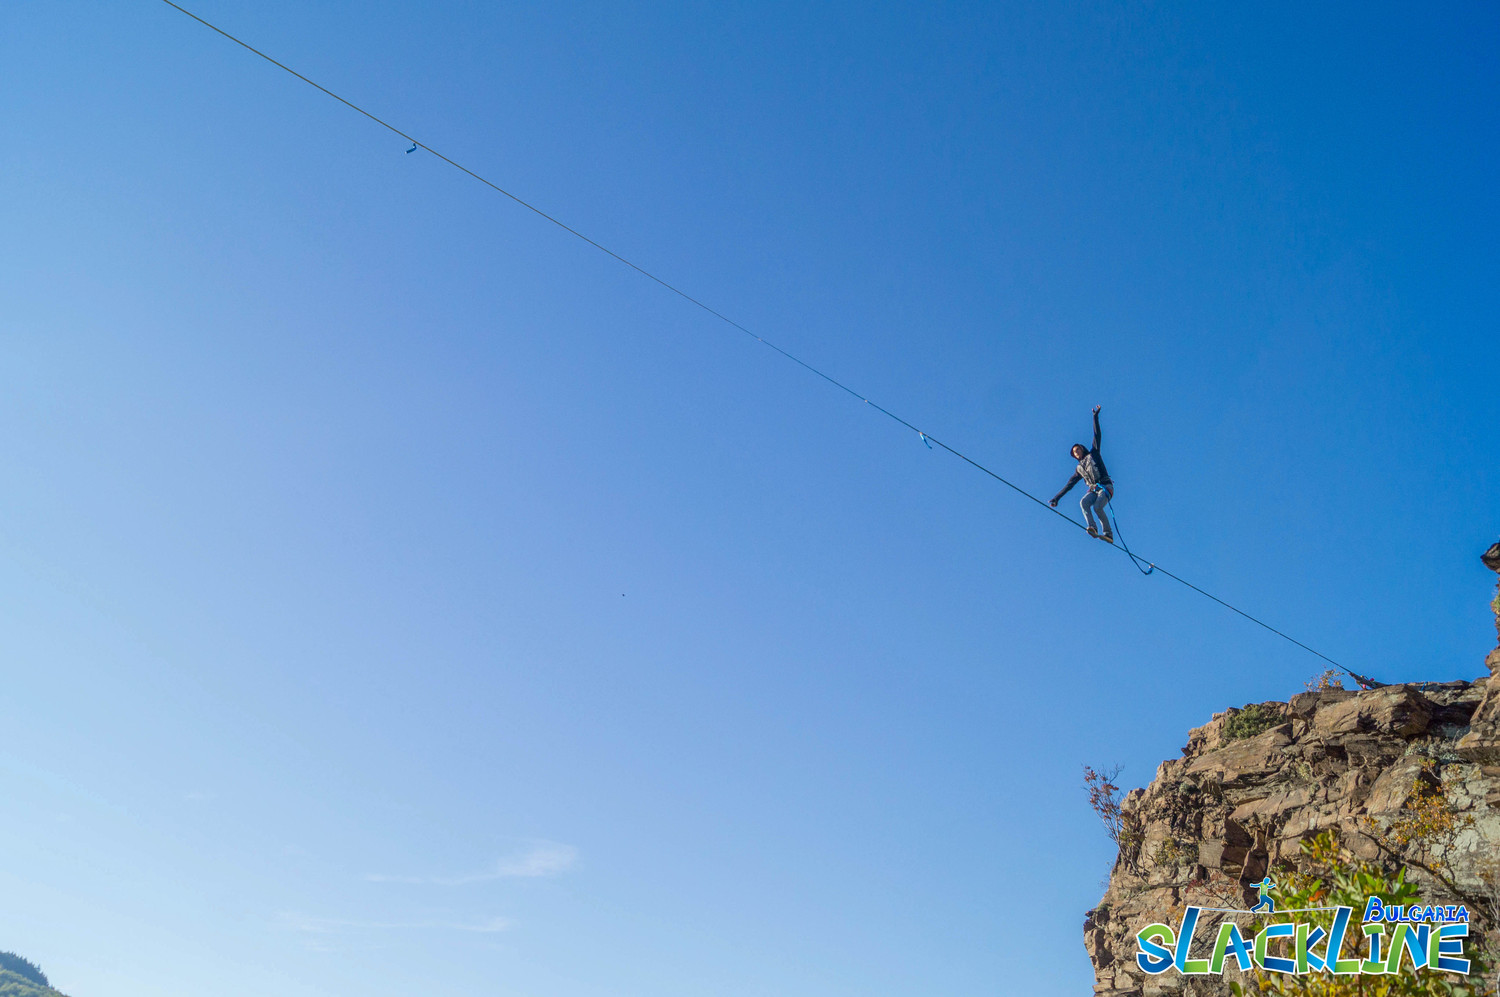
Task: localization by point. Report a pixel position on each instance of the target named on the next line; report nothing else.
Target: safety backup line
(921, 434)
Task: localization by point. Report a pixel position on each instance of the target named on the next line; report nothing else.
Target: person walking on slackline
(1100, 489)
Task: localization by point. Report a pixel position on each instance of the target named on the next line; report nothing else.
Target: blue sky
(398, 595)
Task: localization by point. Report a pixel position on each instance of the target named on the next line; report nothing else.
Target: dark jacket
(1090, 470)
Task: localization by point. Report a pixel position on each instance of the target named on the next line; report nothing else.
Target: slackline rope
(926, 437)
(1236, 910)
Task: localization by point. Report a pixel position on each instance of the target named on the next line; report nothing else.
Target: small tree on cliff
(1326, 680)
(1120, 824)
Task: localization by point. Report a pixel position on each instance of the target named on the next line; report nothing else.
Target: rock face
(1232, 807)
(1482, 742)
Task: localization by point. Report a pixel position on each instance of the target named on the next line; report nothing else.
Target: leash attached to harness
(1108, 491)
(1137, 561)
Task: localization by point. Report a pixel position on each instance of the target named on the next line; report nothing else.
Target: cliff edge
(1253, 783)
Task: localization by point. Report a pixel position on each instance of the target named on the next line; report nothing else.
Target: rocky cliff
(1252, 784)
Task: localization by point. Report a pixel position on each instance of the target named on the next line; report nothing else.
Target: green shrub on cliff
(1257, 718)
(1331, 876)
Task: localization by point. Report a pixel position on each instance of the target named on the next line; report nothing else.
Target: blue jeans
(1094, 500)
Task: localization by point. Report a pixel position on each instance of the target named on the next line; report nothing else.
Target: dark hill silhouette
(20, 977)
(24, 968)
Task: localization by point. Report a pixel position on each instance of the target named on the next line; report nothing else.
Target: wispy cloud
(307, 924)
(541, 858)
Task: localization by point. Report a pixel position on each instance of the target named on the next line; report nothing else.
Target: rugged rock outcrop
(1232, 807)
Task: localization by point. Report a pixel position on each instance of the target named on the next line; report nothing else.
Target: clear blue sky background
(398, 596)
